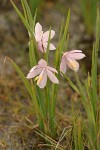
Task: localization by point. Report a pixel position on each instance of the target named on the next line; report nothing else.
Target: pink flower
(42, 71)
(69, 60)
(42, 38)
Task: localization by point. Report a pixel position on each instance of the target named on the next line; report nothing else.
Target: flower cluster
(42, 70)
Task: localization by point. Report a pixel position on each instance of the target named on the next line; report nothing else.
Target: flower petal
(73, 64)
(45, 44)
(52, 77)
(42, 63)
(33, 68)
(43, 81)
(38, 31)
(76, 56)
(52, 69)
(51, 47)
(63, 65)
(34, 73)
(75, 51)
(40, 46)
(46, 35)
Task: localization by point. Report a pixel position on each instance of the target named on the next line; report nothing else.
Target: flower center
(38, 79)
(73, 65)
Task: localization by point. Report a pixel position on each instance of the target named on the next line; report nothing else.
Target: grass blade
(23, 19)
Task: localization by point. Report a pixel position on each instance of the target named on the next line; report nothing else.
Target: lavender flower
(42, 38)
(69, 60)
(42, 71)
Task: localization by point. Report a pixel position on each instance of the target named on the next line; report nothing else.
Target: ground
(15, 107)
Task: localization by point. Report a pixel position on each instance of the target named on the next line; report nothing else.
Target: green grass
(44, 101)
(89, 8)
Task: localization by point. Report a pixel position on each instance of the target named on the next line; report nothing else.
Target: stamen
(39, 79)
(36, 78)
(73, 65)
